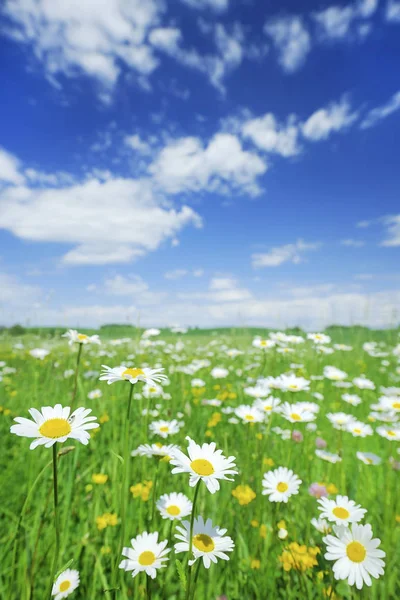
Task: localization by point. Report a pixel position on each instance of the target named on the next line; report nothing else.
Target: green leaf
(64, 568)
(117, 456)
(181, 574)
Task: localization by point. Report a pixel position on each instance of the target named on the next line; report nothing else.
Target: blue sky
(199, 162)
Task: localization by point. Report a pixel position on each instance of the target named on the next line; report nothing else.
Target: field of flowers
(174, 465)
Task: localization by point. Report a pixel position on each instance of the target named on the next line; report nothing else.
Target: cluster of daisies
(349, 544)
(197, 537)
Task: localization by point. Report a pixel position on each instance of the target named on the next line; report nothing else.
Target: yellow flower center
(164, 428)
(391, 433)
(152, 390)
(202, 467)
(203, 542)
(295, 417)
(147, 558)
(173, 510)
(293, 386)
(55, 428)
(356, 552)
(340, 512)
(249, 417)
(65, 585)
(268, 407)
(356, 430)
(263, 343)
(132, 372)
(82, 337)
(396, 405)
(282, 486)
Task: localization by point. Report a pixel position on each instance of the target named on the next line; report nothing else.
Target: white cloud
(352, 243)
(291, 39)
(366, 8)
(198, 272)
(335, 22)
(112, 221)
(229, 55)
(186, 165)
(9, 168)
(218, 5)
(381, 112)
(76, 36)
(280, 254)
(123, 286)
(323, 122)
(166, 39)
(392, 223)
(13, 292)
(267, 134)
(175, 274)
(363, 224)
(393, 11)
(136, 143)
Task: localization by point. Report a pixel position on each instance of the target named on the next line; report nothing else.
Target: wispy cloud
(381, 112)
(293, 253)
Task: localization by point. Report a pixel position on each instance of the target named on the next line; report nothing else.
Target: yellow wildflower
(299, 557)
(99, 478)
(244, 494)
(255, 563)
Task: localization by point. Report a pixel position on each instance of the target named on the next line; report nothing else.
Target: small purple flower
(320, 443)
(317, 490)
(297, 436)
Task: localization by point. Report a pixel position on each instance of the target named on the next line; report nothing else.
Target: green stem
(154, 498)
(21, 516)
(124, 491)
(78, 360)
(56, 521)
(189, 577)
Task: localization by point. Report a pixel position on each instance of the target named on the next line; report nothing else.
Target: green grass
(27, 542)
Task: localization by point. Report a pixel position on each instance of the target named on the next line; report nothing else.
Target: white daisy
(152, 390)
(95, 394)
(318, 338)
(352, 399)
(65, 584)
(340, 420)
(356, 554)
(359, 429)
(321, 525)
(280, 484)
(39, 353)
(334, 374)
(219, 373)
(390, 433)
(154, 450)
(291, 383)
(132, 374)
(204, 462)
(363, 383)
(174, 506)
(249, 414)
(208, 542)
(165, 428)
(328, 456)
(296, 413)
(147, 554)
(390, 403)
(80, 338)
(341, 511)
(268, 405)
(53, 425)
(369, 458)
(263, 344)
